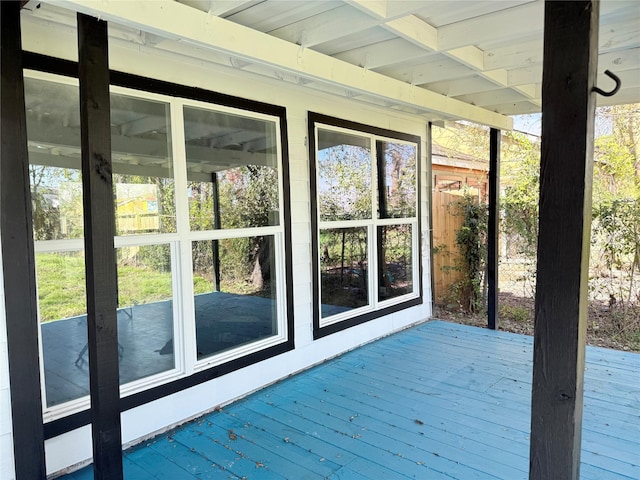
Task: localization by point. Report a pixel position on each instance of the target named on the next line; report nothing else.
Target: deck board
(439, 401)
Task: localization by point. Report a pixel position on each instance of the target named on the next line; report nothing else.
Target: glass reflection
(142, 166)
(344, 176)
(395, 267)
(343, 270)
(53, 131)
(62, 310)
(397, 177)
(232, 168)
(235, 292)
(145, 312)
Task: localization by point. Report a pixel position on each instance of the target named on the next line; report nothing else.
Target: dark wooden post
(18, 262)
(429, 172)
(568, 106)
(99, 229)
(492, 228)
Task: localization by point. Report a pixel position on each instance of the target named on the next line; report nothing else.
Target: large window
(199, 207)
(365, 220)
(235, 224)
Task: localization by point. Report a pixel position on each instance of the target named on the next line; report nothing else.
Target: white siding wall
(75, 447)
(6, 439)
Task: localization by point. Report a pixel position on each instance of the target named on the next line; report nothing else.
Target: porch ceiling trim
(185, 24)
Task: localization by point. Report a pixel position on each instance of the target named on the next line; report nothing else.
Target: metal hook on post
(615, 78)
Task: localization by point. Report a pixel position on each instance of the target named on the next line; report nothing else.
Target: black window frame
(67, 68)
(312, 120)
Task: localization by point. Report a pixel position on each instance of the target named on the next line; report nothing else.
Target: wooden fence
(445, 227)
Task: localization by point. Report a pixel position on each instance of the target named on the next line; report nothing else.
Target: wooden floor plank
(281, 456)
(293, 436)
(158, 465)
(197, 465)
(418, 437)
(219, 450)
(348, 439)
(439, 401)
(461, 383)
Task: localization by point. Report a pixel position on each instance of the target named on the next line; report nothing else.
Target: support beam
(99, 230)
(568, 106)
(18, 261)
(429, 172)
(492, 228)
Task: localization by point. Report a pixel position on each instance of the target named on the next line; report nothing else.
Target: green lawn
(61, 285)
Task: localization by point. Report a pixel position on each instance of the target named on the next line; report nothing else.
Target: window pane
(395, 272)
(232, 168)
(63, 316)
(53, 130)
(235, 292)
(343, 270)
(142, 166)
(397, 178)
(344, 176)
(145, 311)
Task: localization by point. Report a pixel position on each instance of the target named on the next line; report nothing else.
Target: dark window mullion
(382, 213)
(381, 181)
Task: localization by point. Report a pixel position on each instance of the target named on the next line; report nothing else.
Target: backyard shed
(202, 198)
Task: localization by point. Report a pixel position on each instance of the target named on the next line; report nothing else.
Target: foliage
(471, 244)
(519, 202)
(344, 173)
(616, 203)
(344, 266)
(248, 197)
(515, 313)
(56, 196)
(463, 137)
(400, 180)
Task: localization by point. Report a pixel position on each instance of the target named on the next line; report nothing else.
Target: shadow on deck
(437, 401)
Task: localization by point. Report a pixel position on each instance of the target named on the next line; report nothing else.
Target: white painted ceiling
(395, 53)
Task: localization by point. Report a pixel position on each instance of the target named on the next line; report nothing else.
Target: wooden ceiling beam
(180, 22)
(415, 30)
(502, 25)
(326, 26)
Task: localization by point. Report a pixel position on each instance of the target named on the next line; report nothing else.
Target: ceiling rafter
(325, 26)
(180, 22)
(501, 25)
(219, 8)
(419, 32)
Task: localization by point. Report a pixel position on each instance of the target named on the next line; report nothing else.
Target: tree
(247, 197)
(520, 176)
(616, 198)
(344, 173)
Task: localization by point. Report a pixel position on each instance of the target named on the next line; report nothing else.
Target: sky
(532, 124)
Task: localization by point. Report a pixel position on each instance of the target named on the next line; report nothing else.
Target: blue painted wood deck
(439, 401)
